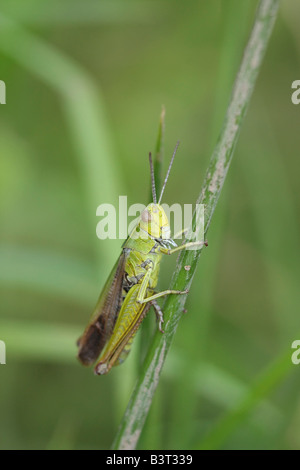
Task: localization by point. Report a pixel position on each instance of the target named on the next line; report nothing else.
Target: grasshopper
(130, 289)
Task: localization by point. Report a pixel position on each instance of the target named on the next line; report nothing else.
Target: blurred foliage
(86, 81)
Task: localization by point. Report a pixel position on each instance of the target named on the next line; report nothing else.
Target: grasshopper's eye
(146, 216)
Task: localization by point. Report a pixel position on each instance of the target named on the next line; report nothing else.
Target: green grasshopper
(130, 289)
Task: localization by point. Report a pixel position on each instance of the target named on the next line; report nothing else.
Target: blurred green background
(86, 81)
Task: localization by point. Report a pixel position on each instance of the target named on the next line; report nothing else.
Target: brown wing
(104, 316)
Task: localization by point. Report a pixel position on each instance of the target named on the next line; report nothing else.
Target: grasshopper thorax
(155, 222)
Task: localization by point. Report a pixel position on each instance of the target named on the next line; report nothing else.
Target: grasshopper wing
(104, 317)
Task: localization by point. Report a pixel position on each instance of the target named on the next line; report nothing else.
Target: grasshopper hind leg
(127, 348)
(159, 314)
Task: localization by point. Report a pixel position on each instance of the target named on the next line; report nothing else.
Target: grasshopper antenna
(168, 172)
(152, 179)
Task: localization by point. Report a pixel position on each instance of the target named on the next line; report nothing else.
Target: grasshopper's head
(154, 221)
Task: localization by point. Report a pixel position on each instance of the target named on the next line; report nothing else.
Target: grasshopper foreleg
(182, 247)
